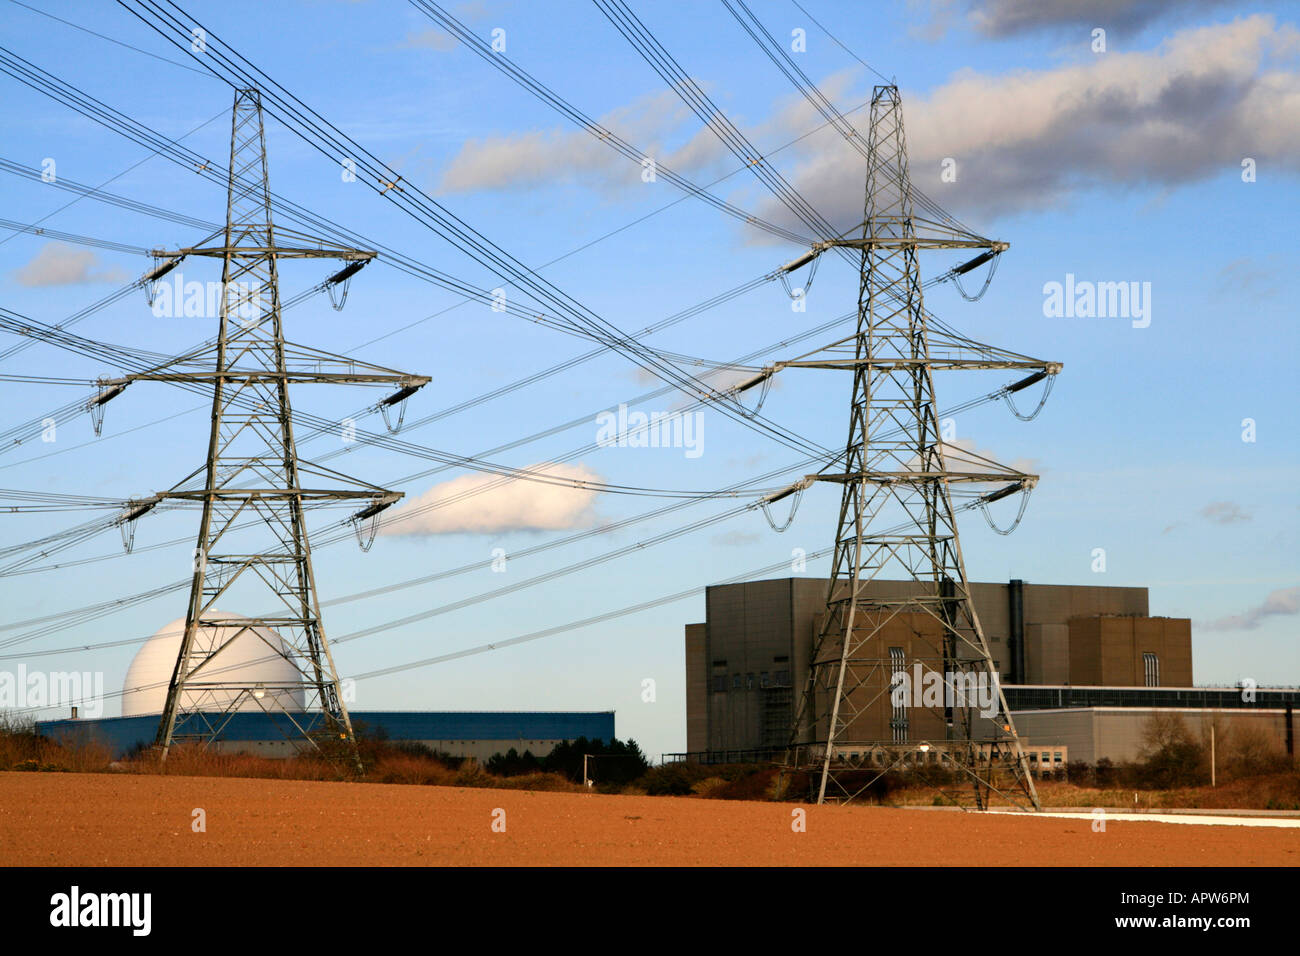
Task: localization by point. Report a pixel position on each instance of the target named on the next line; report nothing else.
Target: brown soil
(129, 820)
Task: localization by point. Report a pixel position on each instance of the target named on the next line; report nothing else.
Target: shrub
(1080, 773)
(1171, 757)
(471, 774)
(674, 779)
(1253, 752)
(398, 767)
(705, 787)
(1104, 773)
(542, 782)
(757, 784)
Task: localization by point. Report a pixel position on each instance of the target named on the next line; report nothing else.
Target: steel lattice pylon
(860, 713)
(252, 546)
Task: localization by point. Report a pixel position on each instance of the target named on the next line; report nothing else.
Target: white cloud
(519, 505)
(569, 154)
(61, 264)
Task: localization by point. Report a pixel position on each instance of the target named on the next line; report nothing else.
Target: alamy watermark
(176, 298)
(922, 688)
(1098, 300)
(625, 429)
(75, 908)
(42, 689)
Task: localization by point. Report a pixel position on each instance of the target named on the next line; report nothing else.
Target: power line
(819, 26)
(602, 133)
(77, 26)
(35, 230)
(331, 142)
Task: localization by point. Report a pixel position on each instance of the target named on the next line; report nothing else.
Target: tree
(614, 762)
(513, 764)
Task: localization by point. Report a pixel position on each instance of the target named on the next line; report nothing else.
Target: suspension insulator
(161, 269)
(1026, 382)
(347, 272)
(366, 521)
(975, 263)
(96, 405)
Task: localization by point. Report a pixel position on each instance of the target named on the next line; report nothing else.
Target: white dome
(245, 661)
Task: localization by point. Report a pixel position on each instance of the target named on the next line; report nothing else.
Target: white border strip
(1213, 821)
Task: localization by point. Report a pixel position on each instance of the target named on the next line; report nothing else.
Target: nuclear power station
(893, 660)
(1081, 669)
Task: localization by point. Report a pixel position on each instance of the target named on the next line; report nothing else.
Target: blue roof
(123, 734)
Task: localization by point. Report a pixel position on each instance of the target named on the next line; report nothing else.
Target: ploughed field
(79, 819)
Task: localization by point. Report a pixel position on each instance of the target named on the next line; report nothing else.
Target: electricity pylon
(253, 550)
(862, 712)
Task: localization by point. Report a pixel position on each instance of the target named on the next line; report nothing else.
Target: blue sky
(1122, 165)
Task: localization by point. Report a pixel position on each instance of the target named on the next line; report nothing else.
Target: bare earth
(126, 820)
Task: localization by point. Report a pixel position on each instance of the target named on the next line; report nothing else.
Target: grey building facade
(747, 664)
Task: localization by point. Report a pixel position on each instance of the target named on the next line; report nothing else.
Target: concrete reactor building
(1082, 668)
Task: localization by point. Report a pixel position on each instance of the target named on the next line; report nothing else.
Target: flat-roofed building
(747, 663)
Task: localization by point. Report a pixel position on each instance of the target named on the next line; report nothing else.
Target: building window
(763, 680)
(783, 678)
(749, 681)
(898, 712)
(781, 660)
(1151, 666)
(721, 663)
(720, 684)
(735, 682)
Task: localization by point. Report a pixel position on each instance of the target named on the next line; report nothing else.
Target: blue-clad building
(460, 733)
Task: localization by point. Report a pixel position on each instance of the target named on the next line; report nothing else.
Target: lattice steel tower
(252, 551)
(881, 647)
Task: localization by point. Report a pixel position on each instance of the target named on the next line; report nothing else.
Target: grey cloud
(1284, 602)
(737, 538)
(1001, 18)
(1223, 512)
(1254, 279)
(1193, 108)
(430, 39)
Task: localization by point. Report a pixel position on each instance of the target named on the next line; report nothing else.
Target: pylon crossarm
(243, 494)
(945, 239)
(262, 375)
(938, 364)
(254, 251)
(301, 364)
(885, 478)
(887, 242)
